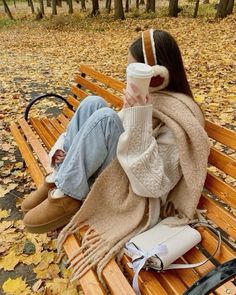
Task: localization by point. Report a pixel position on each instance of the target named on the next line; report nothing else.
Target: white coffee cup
(139, 74)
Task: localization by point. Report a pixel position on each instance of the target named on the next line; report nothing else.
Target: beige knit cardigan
(115, 213)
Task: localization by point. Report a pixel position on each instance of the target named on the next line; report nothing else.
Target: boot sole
(41, 229)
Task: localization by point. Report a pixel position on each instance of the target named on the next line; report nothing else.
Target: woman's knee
(93, 100)
(110, 115)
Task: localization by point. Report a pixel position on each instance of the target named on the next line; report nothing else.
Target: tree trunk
(95, 10)
(153, 5)
(31, 5)
(70, 4)
(127, 6)
(48, 3)
(15, 3)
(173, 8)
(137, 4)
(54, 7)
(108, 6)
(148, 5)
(230, 7)
(41, 7)
(119, 10)
(39, 14)
(221, 9)
(142, 2)
(196, 8)
(59, 4)
(83, 5)
(8, 11)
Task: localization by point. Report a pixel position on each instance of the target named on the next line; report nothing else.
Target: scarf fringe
(93, 249)
(84, 255)
(95, 255)
(78, 275)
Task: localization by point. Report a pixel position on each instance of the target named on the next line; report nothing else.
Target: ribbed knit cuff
(139, 115)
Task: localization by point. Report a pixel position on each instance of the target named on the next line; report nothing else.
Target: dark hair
(168, 55)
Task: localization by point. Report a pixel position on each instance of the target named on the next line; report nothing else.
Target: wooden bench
(36, 136)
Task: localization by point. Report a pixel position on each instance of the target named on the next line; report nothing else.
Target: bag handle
(179, 266)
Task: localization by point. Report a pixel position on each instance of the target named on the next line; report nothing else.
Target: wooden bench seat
(36, 136)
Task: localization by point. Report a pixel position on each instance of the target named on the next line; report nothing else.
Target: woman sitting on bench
(121, 172)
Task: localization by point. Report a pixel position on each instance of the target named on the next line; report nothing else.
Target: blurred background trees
(120, 7)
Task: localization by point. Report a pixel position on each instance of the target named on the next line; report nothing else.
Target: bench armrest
(214, 279)
(33, 101)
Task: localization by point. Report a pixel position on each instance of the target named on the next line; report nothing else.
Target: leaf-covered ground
(40, 57)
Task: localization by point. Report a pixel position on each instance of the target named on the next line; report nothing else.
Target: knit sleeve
(151, 164)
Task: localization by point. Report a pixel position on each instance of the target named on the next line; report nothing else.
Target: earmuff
(160, 79)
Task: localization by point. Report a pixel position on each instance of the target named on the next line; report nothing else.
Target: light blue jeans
(90, 145)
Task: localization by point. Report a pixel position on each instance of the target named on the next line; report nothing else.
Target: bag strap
(179, 266)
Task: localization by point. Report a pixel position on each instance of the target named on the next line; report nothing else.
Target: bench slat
(67, 112)
(209, 242)
(78, 92)
(109, 81)
(221, 134)
(111, 98)
(218, 215)
(222, 162)
(194, 256)
(148, 283)
(50, 128)
(74, 102)
(60, 128)
(27, 154)
(46, 137)
(89, 282)
(221, 189)
(112, 274)
(63, 120)
(116, 280)
(36, 145)
(187, 275)
(169, 281)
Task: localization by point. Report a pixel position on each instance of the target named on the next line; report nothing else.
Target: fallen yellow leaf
(16, 287)
(4, 213)
(199, 98)
(62, 287)
(9, 261)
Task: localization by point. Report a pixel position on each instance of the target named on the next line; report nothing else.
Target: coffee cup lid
(139, 70)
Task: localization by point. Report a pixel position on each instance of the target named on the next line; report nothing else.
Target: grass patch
(6, 22)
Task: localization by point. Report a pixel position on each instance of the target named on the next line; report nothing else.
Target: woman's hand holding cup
(138, 79)
(133, 97)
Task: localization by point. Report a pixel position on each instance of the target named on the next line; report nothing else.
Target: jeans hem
(69, 193)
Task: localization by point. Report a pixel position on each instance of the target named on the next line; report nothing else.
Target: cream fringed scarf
(115, 213)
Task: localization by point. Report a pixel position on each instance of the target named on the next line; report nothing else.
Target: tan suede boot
(51, 214)
(37, 197)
